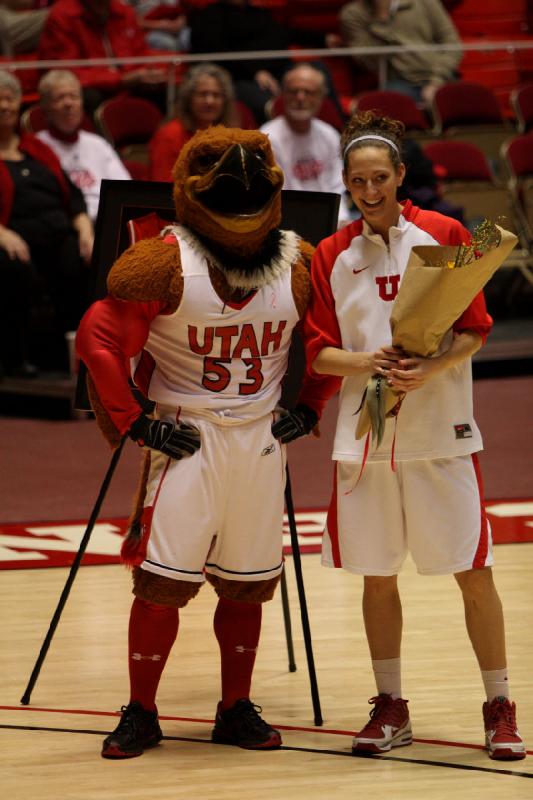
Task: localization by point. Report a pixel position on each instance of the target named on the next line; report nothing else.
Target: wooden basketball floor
(50, 749)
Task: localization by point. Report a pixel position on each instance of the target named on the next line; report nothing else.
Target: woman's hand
(14, 245)
(382, 361)
(412, 372)
(345, 363)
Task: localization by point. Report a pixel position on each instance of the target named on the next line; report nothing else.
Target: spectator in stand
(164, 22)
(86, 157)
(306, 148)
(45, 238)
(205, 97)
(372, 23)
(21, 25)
(234, 26)
(83, 29)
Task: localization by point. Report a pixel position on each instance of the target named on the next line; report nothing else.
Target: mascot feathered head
(227, 188)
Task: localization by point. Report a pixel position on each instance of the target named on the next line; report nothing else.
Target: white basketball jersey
(225, 357)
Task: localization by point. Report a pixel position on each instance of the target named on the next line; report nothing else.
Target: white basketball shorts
(432, 509)
(221, 509)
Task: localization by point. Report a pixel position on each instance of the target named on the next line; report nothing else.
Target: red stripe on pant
(332, 524)
(483, 544)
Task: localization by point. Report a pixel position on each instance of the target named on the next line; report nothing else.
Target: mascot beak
(241, 164)
(240, 184)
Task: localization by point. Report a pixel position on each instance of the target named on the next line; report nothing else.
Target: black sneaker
(137, 730)
(242, 725)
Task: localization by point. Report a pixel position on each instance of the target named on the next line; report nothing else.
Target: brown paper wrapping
(430, 299)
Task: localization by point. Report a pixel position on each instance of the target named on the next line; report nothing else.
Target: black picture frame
(313, 215)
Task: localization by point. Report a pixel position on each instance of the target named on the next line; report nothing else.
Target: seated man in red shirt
(79, 29)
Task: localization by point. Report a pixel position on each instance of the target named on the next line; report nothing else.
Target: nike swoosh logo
(357, 271)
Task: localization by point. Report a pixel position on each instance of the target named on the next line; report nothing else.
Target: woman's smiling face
(9, 109)
(372, 180)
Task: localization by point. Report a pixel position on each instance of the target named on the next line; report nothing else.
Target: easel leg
(287, 621)
(303, 602)
(25, 699)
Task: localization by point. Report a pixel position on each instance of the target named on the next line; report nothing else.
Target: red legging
(153, 629)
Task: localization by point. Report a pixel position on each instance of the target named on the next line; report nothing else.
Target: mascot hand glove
(298, 422)
(177, 441)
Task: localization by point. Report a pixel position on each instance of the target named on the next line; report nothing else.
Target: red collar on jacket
(408, 210)
(40, 151)
(62, 136)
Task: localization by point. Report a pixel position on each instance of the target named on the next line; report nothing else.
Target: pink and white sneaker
(389, 726)
(502, 739)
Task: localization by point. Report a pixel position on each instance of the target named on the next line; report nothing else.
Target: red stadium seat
(128, 123)
(468, 111)
(497, 17)
(137, 170)
(517, 154)
(459, 160)
(396, 105)
(245, 116)
(469, 181)
(465, 103)
(522, 104)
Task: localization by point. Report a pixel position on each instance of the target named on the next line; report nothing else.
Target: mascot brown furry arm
(228, 209)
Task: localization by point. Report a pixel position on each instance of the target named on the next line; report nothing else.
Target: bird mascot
(200, 320)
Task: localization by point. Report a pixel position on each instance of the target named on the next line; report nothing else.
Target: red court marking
(34, 545)
(331, 731)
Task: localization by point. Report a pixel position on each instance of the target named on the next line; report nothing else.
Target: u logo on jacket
(388, 286)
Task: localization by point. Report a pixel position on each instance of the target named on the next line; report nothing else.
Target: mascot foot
(241, 725)
(137, 730)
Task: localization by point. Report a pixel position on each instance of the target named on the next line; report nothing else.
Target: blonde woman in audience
(206, 97)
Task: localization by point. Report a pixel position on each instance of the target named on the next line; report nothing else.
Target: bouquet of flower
(439, 283)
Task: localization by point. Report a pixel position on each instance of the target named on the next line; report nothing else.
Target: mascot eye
(206, 161)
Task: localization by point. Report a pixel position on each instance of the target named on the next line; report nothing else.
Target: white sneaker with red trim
(502, 739)
(389, 726)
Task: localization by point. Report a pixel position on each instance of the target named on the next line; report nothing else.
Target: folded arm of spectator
(14, 245)
(83, 225)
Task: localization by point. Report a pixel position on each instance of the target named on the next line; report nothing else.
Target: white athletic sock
(495, 682)
(388, 675)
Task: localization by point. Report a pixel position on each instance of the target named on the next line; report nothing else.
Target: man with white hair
(305, 147)
(86, 157)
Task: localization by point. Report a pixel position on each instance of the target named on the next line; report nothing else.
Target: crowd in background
(294, 102)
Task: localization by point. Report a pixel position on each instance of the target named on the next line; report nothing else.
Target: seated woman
(164, 23)
(86, 157)
(206, 97)
(46, 239)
